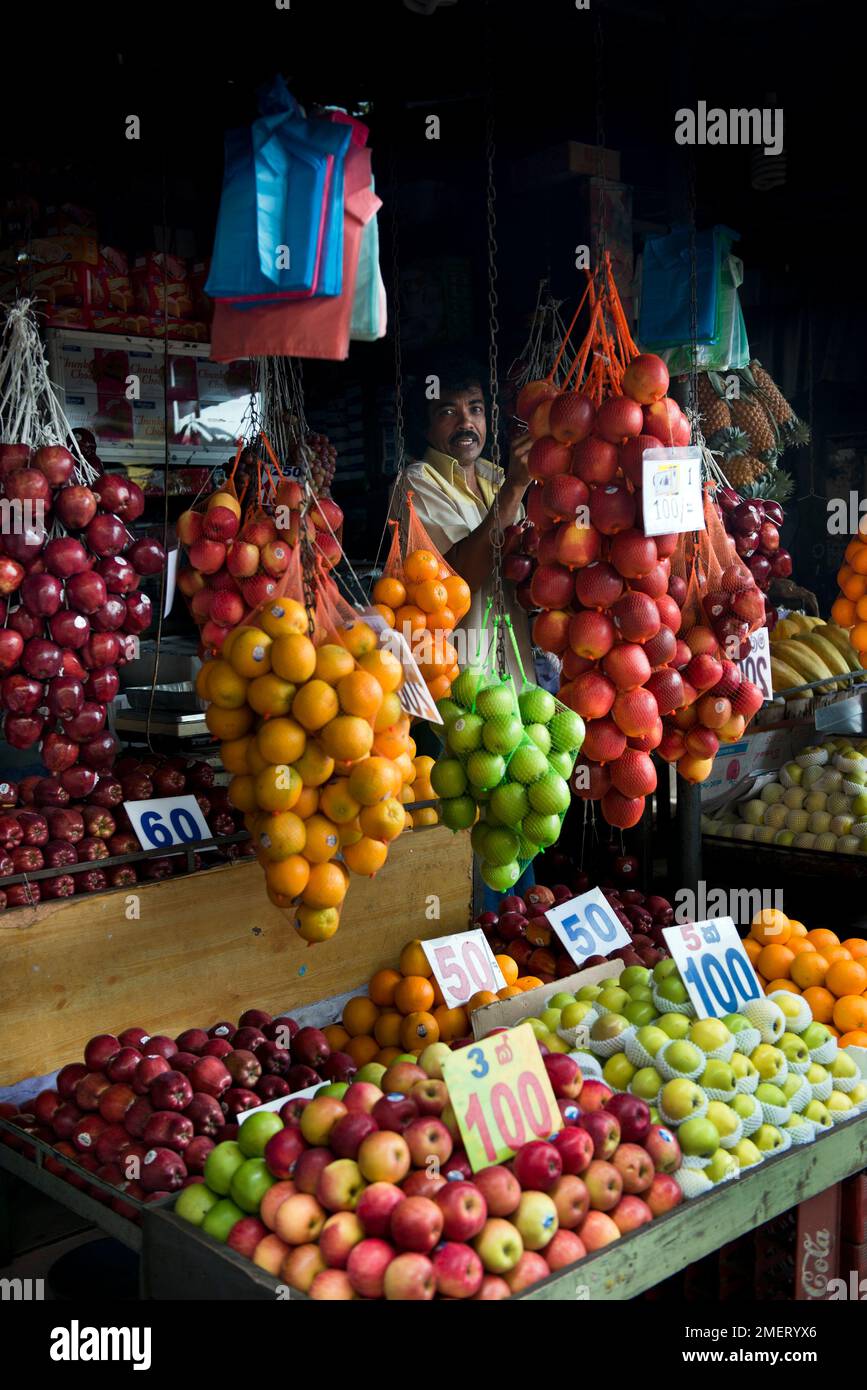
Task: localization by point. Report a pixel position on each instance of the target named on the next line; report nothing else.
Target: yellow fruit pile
(420, 789)
(425, 605)
(319, 751)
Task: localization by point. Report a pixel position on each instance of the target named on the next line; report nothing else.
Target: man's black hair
(458, 370)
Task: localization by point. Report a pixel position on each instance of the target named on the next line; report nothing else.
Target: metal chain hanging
(599, 76)
(693, 299)
(498, 596)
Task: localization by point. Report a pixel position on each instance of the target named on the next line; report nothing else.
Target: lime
(541, 829)
(502, 735)
(491, 817)
(448, 778)
(526, 851)
(562, 763)
(485, 769)
(536, 706)
(567, 731)
(497, 702)
(448, 710)
(465, 734)
(550, 795)
(501, 846)
(539, 735)
(510, 803)
(479, 838)
(465, 687)
(500, 877)
(458, 812)
(528, 763)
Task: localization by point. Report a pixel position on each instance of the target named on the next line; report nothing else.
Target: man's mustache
(464, 434)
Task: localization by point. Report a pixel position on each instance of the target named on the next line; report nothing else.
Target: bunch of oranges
(830, 974)
(404, 1010)
(850, 607)
(425, 604)
(318, 746)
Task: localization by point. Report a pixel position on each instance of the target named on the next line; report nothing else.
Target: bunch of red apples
(754, 523)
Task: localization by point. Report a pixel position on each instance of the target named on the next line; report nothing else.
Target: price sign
(462, 965)
(587, 926)
(167, 820)
(757, 666)
(414, 696)
(714, 966)
(501, 1095)
(671, 497)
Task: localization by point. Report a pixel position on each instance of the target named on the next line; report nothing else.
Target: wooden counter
(206, 947)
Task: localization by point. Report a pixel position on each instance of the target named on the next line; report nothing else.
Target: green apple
(681, 1056)
(674, 1024)
(794, 1122)
(745, 1106)
(843, 1066)
(784, 837)
(641, 992)
(337, 1089)
(858, 1094)
(673, 990)
(222, 1216)
(709, 1034)
(838, 1101)
(588, 992)
(646, 1083)
(663, 969)
(538, 1027)
(815, 1035)
(573, 1014)
(221, 1165)
(655, 1117)
(723, 1117)
(721, 1164)
(652, 1038)
(551, 1018)
(859, 803)
(250, 1182)
(718, 1076)
(819, 1113)
(432, 1058)
(793, 1048)
(618, 1071)
(769, 1094)
(375, 1071)
(816, 1074)
(791, 1004)
(194, 1203)
(608, 1026)
(555, 1044)
(614, 999)
(746, 1153)
(561, 1000)
(795, 772)
(767, 1138)
(741, 1066)
(735, 1022)
(698, 1137)
(256, 1130)
(681, 1098)
(640, 1012)
(633, 975)
(769, 1061)
(792, 1085)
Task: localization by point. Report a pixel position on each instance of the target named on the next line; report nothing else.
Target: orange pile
(850, 607)
(425, 605)
(830, 974)
(404, 1010)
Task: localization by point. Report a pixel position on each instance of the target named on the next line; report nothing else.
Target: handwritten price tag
(587, 926)
(462, 965)
(757, 666)
(414, 696)
(714, 966)
(671, 498)
(167, 820)
(501, 1096)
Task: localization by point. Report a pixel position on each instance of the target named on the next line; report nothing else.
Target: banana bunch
(806, 649)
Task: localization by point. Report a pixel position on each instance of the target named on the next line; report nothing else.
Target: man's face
(457, 424)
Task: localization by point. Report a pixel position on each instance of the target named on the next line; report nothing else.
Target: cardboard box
(507, 1012)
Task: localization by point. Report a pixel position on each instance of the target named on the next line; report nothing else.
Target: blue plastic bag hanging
(664, 320)
(368, 307)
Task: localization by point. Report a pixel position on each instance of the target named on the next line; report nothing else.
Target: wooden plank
(206, 947)
(648, 1256)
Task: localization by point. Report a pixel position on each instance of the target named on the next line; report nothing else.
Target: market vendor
(453, 488)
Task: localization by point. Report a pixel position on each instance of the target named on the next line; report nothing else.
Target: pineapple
(743, 470)
(776, 401)
(752, 417)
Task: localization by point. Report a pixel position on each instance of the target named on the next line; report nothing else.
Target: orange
(242, 793)
(360, 693)
(439, 999)
(384, 612)
(443, 657)
(233, 755)
(270, 695)
(317, 923)
(307, 803)
(420, 565)
(459, 594)
(770, 927)
(278, 788)
(326, 887)
(255, 762)
(315, 766)
(202, 680)
(428, 816)
(855, 945)
(359, 1016)
(289, 877)
(336, 1036)
(843, 612)
(347, 738)
(850, 1013)
(384, 821)
(404, 769)
(323, 840)
(373, 780)
(382, 986)
(820, 936)
(281, 836)
(797, 944)
(508, 968)
(861, 608)
(441, 621)
(281, 740)
(336, 802)
(858, 635)
(774, 962)
(413, 961)
(251, 653)
(387, 1028)
(821, 1003)
(808, 969)
(419, 1030)
(480, 999)
(386, 1055)
(414, 994)
(798, 929)
(528, 982)
(362, 1050)
(366, 856)
(390, 591)
(229, 723)
(389, 711)
(391, 742)
(856, 1038)
(782, 984)
(226, 689)
(833, 953)
(385, 667)
(284, 617)
(859, 563)
(431, 595)
(853, 586)
(846, 977)
(333, 662)
(509, 992)
(350, 832)
(412, 617)
(452, 1023)
(294, 657)
(440, 686)
(358, 638)
(314, 704)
